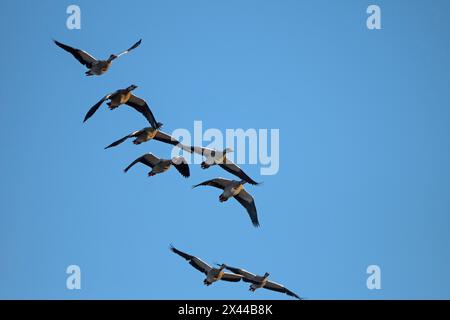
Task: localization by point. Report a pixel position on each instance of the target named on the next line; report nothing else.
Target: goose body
(95, 66)
(216, 157)
(234, 189)
(258, 282)
(161, 165)
(99, 67)
(212, 274)
(118, 98)
(125, 96)
(231, 190)
(146, 134)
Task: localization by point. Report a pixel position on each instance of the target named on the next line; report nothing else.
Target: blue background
(364, 148)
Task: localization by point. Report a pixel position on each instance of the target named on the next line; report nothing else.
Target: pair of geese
(231, 188)
(216, 274)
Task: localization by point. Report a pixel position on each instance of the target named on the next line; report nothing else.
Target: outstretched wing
(82, 56)
(95, 107)
(207, 152)
(246, 200)
(217, 183)
(131, 135)
(164, 137)
(248, 276)
(141, 106)
(193, 261)
(148, 159)
(181, 165)
(237, 171)
(134, 46)
(231, 277)
(279, 288)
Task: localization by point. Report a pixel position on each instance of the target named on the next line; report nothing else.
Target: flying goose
(261, 282)
(124, 96)
(212, 274)
(145, 135)
(215, 157)
(233, 188)
(162, 165)
(96, 67)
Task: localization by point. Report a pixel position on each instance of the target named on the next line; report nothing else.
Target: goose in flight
(162, 165)
(261, 282)
(233, 188)
(215, 157)
(124, 96)
(145, 135)
(212, 274)
(96, 67)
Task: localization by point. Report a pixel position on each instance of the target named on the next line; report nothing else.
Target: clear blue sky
(364, 158)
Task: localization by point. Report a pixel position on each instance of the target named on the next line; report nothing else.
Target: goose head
(112, 57)
(221, 266)
(242, 182)
(132, 87)
(266, 275)
(227, 150)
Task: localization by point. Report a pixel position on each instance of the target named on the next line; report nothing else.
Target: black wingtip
(137, 44)
(298, 297)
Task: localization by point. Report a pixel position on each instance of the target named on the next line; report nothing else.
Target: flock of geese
(230, 188)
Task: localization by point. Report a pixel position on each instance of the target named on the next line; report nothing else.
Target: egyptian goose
(235, 189)
(96, 67)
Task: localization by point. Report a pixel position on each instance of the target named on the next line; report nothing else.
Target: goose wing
(237, 171)
(231, 277)
(206, 152)
(220, 183)
(181, 165)
(193, 261)
(270, 285)
(246, 200)
(148, 159)
(131, 135)
(95, 107)
(247, 276)
(164, 137)
(82, 56)
(141, 106)
(134, 46)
